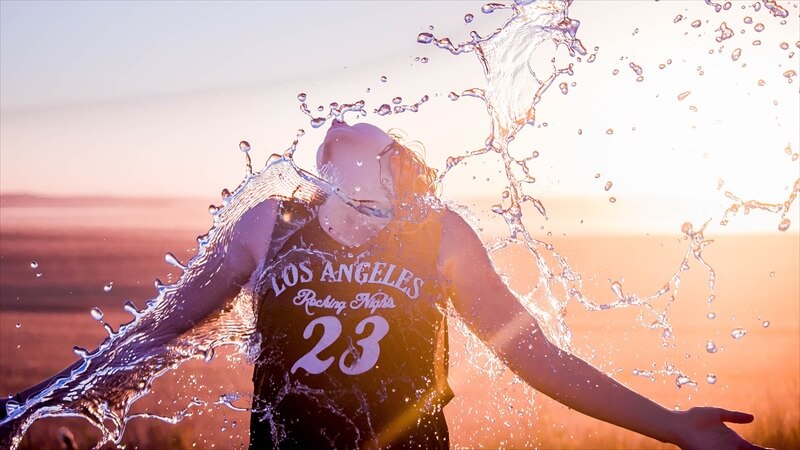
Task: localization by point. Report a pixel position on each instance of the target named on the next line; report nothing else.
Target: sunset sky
(151, 98)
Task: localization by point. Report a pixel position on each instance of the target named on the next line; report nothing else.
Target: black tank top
(354, 342)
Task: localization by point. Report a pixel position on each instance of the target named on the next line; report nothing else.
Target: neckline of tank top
(393, 224)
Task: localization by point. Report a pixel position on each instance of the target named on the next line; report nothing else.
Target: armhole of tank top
(287, 227)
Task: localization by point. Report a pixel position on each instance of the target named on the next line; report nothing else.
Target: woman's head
(365, 163)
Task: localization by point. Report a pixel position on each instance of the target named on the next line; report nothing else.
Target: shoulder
(454, 227)
(256, 217)
(459, 239)
(252, 232)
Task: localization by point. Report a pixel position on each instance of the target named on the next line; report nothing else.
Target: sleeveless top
(353, 342)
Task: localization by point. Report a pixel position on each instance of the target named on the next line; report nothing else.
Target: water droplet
(759, 27)
(765, 324)
(108, 286)
(80, 351)
(784, 224)
(212, 209)
(317, 122)
(761, 82)
(785, 45)
(301, 97)
(711, 315)
(736, 53)
(424, 60)
(616, 287)
(384, 110)
(130, 308)
(677, 18)
(683, 380)
(423, 38)
(39, 275)
(748, 20)
(173, 260)
(711, 378)
(772, 274)
(564, 88)
(597, 175)
(397, 100)
(18, 325)
(686, 228)
(789, 73)
(738, 333)
(384, 79)
(244, 146)
(208, 355)
(610, 131)
(468, 18)
(757, 42)
(608, 185)
(696, 23)
(711, 347)
(97, 313)
(453, 96)
(683, 95)
(34, 265)
(612, 199)
(489, 8)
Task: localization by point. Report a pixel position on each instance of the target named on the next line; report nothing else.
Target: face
(349, 159)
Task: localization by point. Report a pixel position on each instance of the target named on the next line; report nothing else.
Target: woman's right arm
(204, 288)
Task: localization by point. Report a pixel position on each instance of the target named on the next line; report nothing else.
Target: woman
(354, 339)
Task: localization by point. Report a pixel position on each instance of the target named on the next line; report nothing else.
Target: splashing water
(122, 369)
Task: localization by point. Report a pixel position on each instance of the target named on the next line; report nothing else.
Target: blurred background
(120, 124)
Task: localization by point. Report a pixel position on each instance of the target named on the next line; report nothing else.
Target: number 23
(331, 329)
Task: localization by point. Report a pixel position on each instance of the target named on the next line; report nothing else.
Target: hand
(704, 428)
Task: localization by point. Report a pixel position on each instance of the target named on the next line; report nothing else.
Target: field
(80, 246)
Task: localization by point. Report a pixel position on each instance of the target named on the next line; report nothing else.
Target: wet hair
(412, 180)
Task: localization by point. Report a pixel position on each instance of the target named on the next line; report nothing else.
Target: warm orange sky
(161, 113)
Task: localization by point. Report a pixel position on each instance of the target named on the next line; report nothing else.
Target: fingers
(735, 416)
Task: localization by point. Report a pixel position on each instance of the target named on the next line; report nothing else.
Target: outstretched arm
(496, 316)
(203, 289)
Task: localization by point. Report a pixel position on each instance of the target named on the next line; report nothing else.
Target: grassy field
(757, 280)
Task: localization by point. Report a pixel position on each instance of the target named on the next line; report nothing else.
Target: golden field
(756, 280)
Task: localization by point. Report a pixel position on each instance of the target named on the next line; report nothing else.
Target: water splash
(125, 365)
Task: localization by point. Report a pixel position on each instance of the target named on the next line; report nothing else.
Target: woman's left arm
(497, 317)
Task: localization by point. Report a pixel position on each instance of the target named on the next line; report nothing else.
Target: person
(353, 350)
